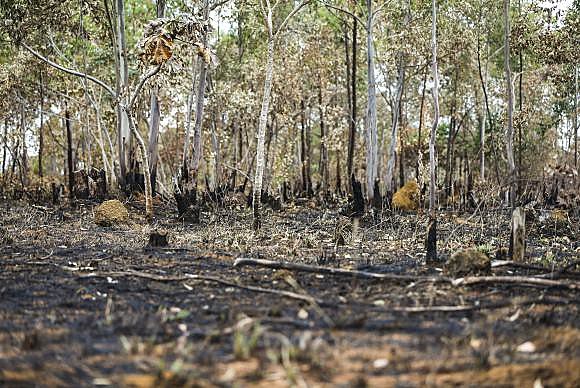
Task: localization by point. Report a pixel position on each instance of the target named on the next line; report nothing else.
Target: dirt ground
(84, 305)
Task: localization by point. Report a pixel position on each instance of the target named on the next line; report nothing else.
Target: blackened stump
(158, 238)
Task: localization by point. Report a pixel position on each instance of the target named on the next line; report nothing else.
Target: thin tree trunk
(486, 99)
(482, 143)
(323, 146)
(389, 176)
(510, 130)
(258, 178)
(521, 96)
(401, 147)
(69, 153)
(190, 98)
(419, 139)
(576, 116)
(145, 156)
(510, 107)
(372, 140)
(40, 134)
(449, 159)
(4, 147)
(24, 154)
(199, 105)
(352, 121)
(154, 118)
(431, 241)
(124, 132)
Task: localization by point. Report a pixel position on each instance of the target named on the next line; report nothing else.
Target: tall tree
(154, 118)
(391, 157)
(371, 122)
(431, 241)
(267, 12)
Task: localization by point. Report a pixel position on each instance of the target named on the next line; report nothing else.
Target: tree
(431, 241)
(267, 12)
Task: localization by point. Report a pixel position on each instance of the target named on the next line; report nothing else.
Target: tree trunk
(510, 97)
(419, 139)
(145, 156)
(69, 153)
(389, 178)
(431, 242)
(154, 119)
(4, 147)
(24, 154)
(520, 97)
(401, 148)
(352, 118)
(199, 105)
(449, 159)
(259, 174)
(510, 130)
(372, 140)
(323, 167)
(40, 134)
(486, 100)
(576, 116)
(124, 132)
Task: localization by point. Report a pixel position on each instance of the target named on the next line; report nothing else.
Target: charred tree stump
(377, 201)
(187, 207)
(431, 242)
(358, 200)
(158, 238)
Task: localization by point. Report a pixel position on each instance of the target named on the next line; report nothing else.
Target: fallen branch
(517, 280)
(486, 306)
(335, 271)
(186, 277)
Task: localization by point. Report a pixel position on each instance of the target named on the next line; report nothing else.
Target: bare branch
(342, 10)
(290, 15)
(335, 271)
(70, 71)
(141, 83)
(213, 279)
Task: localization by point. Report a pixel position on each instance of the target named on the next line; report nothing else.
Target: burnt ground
(83, 305)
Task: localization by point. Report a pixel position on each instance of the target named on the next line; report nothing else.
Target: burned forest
(274, 193)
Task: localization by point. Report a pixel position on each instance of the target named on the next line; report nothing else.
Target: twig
(461, 225)
(487, 306)
(562, 272)
(517, 280)
(70, 71)
(515, 264)
(213, 279)
(336, 271)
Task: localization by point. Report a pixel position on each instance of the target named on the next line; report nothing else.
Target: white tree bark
(372, 137)
(510, 107)
(124, 134)
(155, 115)
(200, 102)
(267, 10)
(576, 116)
(259, 176)
(394, 135)
(140, 142)
(431, 242)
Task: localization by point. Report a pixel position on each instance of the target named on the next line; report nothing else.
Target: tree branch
(70, 71)
(141, 83)
(335, 271)
(213, 279)
(294, 12)
(342, 10)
